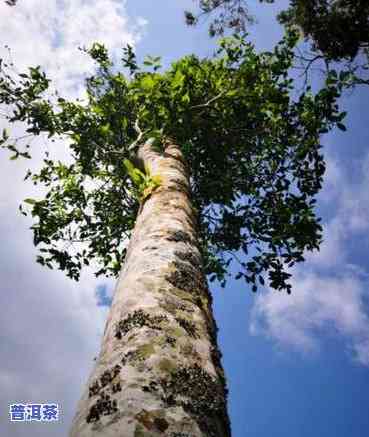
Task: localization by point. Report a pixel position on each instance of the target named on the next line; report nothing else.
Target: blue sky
(296, 365)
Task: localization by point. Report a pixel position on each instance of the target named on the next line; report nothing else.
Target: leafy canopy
(253, 152)
(338, 28)
(339, 35)
(337, 31)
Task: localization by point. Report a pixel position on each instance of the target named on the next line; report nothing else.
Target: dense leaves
(338, 28)
(337, 31)
(253, 153)
(339, 34)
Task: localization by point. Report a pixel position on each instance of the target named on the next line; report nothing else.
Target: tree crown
(252, 150)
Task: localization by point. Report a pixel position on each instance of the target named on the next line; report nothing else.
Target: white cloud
(49, 34)
(332, 252)
(319, 305)
(350, 198)
(51, 327)
(328, 291)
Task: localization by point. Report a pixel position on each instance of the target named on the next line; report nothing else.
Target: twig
(208, 103)
(140, 135)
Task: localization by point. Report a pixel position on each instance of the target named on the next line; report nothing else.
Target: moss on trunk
(159, 371)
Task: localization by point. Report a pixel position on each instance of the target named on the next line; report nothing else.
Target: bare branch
(140, 135)
(209, 102)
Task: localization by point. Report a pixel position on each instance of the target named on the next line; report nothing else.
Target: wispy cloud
(329, 292)
(319, 305)
(49, 323)
(49, 34)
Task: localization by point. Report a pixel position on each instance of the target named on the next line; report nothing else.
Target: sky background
(296, 365)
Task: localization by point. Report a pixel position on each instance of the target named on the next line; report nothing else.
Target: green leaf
(5, 134)
(253, 157)
(147, 83)
(178, 80)
(105, 129)
(186, 98)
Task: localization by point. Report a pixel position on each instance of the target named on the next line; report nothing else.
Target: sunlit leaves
(253, 153)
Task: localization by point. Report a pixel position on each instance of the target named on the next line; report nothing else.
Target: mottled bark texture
(159, 370)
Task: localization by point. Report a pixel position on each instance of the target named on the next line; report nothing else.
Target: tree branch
(140, 135)
(209, 102)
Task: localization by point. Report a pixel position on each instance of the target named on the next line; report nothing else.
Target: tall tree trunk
(159, 370)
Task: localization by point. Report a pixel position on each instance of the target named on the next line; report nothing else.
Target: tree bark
(159, 371)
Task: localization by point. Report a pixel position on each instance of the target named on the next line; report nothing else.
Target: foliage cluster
(252, 149)
(144, 182)
(338, 28)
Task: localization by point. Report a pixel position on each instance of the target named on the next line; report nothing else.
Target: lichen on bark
(159, 370)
